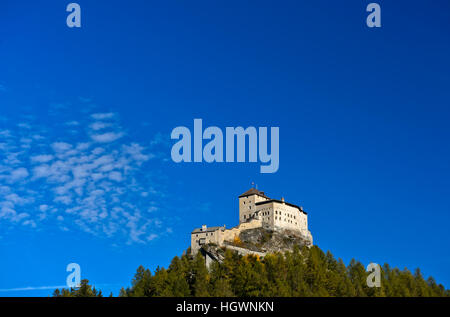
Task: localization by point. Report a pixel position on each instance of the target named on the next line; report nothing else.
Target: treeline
(306, 272)
(85, 290)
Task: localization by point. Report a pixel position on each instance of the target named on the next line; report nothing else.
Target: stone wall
(247, 206)
(243, 251)
(230, 234)
(201, 238)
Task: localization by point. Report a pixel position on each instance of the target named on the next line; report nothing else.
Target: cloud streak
(31, 288)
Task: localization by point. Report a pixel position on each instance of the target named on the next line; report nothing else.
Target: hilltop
(257, 241)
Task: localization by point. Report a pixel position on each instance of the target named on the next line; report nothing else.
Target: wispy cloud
(19, 173)
(100, 125)
(98, 181)
(24, 125)
(31, 288)
(44, 158)
(72, 123)
(106, 137)
(102, 116)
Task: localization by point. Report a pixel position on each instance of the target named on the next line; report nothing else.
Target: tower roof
(253, 191)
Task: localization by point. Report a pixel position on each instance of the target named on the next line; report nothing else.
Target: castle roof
(253, 191)
(280, 202)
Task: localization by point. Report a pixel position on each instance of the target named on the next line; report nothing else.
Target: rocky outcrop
(270, 241)
(257, 241)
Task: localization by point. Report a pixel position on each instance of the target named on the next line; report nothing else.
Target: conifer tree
(85, 290)
(200, 284)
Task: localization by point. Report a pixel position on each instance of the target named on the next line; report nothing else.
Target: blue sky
(86, 114)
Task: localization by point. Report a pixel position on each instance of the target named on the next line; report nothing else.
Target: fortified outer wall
(230, 234)
(204, 236)
(218, 235)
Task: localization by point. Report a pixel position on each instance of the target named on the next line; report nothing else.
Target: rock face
(212, 252)
(270, 241)
(257, 241)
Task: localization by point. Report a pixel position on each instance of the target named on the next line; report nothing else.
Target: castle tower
(247, 204)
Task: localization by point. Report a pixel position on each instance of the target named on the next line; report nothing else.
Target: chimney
(204, 228)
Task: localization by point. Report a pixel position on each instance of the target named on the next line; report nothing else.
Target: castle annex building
(255, 210)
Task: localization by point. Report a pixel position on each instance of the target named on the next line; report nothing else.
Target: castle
(255, 210)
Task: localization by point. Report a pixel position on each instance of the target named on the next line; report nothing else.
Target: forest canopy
(300, 273)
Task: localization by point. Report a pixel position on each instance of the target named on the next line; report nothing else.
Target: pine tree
(200, 286)
(85, 290)
(177, 278)
(220, 279)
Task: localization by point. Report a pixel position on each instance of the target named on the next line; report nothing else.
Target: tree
(85, 290)
(200, 284)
